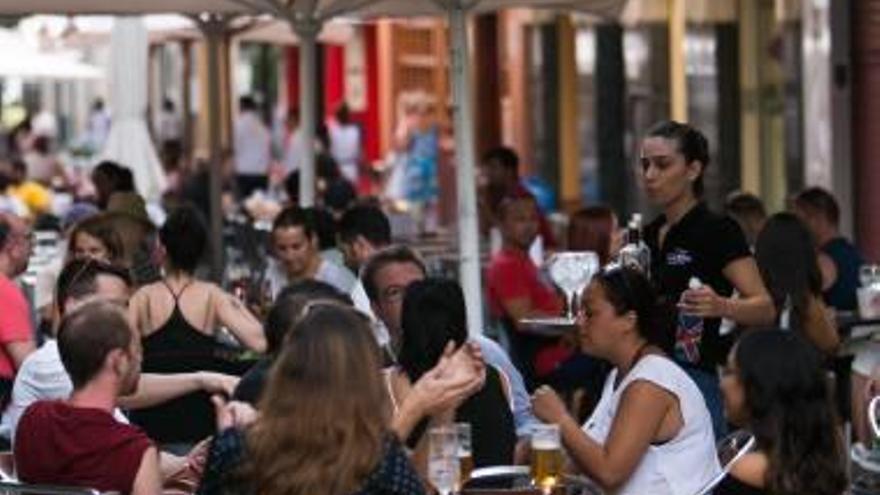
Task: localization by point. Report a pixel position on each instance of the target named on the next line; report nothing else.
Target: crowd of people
(146, 376)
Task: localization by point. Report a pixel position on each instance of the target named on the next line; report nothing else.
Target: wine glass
(589, 263)
(443, 463)
(572, 271)
(563, 271)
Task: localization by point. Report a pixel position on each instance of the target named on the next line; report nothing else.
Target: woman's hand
(232, 414)
(217, 383)
(703, 302)
(547, 406)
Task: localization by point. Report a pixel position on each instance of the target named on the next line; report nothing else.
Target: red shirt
(513, 275)
(15, 323)
(59, 444)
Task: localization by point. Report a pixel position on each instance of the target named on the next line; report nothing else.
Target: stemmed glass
(589, 263)
(443, 463)
(572, 271)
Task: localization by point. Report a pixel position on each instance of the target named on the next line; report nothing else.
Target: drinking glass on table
(443, 465)
(547, 457)
(465, 451)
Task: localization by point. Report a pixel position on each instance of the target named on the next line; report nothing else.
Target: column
(487, 82)
(569, 146)
(866, 123)
(610, 116)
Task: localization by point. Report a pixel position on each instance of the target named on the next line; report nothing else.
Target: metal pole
(307, 30)
(213, 30)
(468, 233)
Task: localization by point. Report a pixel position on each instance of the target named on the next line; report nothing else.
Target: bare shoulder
(751, 469)
(644, 394)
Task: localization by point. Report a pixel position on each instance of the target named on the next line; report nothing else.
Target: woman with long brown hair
(323, 425)
(595, 228)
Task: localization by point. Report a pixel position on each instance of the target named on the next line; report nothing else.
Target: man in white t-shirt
(253, 148)
(345, 144)
(297, 255)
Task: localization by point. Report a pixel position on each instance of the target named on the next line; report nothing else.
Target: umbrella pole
(307, 30)
(465, 153)
(213, 30)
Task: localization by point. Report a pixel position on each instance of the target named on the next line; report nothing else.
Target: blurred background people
(253, 147)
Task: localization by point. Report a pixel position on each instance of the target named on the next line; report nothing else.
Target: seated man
(78, 442)
(387, 274)
(516, 288)
(297, 255)
(839, 259)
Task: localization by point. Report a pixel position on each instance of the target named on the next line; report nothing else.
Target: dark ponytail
(690, 142)
(627, 289)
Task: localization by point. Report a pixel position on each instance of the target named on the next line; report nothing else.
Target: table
(549, 326)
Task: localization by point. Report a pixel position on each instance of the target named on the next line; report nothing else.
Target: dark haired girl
(433, 315)
(688, 241)
(786, 405)
(786, 255)
(177, 318)
(651, 431)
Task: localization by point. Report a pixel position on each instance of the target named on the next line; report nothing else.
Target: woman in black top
(688, 241)
(785, 404)
(433, 316)
(177, 318)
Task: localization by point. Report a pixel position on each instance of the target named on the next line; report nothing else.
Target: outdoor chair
(864, 465)
(16, 488)
(730, 450)
(873, 416)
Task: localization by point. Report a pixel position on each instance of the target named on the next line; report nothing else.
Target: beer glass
(443, 470)
(546, 457)
(465, 452)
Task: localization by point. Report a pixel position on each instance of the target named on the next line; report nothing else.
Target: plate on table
(551, 326)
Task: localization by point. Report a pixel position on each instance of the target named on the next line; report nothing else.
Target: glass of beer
(546, 457)
(465, 452)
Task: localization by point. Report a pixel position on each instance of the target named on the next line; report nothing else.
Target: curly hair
(790, 413)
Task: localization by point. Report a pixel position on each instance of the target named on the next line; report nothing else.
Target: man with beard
(78, 442)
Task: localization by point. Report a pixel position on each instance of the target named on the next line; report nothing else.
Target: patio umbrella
(129, 140)
(119, 7)
(307, 18)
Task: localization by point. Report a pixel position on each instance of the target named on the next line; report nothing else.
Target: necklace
(640, 353)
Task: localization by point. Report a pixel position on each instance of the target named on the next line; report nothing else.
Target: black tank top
(493, 432)
(179, 347)
(732, 486)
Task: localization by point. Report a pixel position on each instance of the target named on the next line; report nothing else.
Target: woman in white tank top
(651, 432)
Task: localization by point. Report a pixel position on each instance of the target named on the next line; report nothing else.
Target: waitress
(689, 241)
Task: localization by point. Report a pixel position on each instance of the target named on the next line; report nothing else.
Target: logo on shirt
(679, 257)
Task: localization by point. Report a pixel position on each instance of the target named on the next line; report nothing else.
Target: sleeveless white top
(680, 466)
